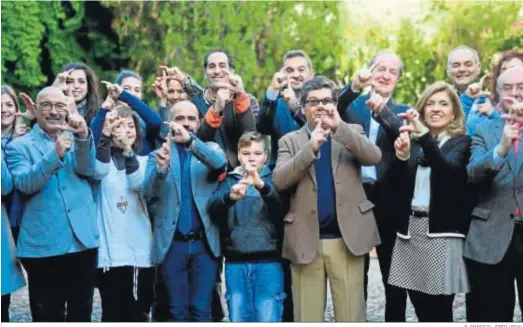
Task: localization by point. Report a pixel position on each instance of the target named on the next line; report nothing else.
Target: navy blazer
(357, 112)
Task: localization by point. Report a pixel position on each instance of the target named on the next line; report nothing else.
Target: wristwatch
(190, 140)
(129, 155)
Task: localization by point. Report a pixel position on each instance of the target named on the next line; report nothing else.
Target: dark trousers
(395, 297)
(492, 295)
(160, 306)
(288, 312)
(144, 292)
(116, 291)
(6, 301)
(55, 281)
(432, 308)
(217, 314)
(189, 271)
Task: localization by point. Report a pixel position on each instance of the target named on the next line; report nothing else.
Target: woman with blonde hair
(430, 176)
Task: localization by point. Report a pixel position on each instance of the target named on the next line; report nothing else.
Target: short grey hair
(462, 47)
(501, 79)
(373, 60)
(298, 53)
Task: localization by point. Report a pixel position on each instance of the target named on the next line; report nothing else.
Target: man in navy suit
(384, 73)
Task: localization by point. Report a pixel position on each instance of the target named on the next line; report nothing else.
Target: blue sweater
(326, 194)
(150, 123)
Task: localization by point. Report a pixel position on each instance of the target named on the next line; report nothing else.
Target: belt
(191, 236)
(419, 214)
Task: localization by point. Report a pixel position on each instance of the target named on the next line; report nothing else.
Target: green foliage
(256, 34)
(40, 37)
(424, 43)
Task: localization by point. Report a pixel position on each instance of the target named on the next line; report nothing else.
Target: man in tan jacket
(330, 225)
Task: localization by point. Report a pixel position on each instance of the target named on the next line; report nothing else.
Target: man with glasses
(384, 72)
(58, 237)
(494, 246)
(330, 225)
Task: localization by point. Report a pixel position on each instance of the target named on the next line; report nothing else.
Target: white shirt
(123, 221)
(421, 198)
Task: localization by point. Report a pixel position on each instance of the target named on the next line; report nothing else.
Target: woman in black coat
(429, 174)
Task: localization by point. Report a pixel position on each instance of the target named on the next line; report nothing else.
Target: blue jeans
(188, 272)
(254, 291)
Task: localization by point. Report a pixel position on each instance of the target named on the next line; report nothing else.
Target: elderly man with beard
(58, 237)
(183, 174)
(494, 245)
(383, 75)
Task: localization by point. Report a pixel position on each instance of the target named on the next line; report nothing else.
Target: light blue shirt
(368, 173)
(271, 95)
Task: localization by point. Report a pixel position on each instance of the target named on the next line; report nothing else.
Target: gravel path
(375, 303)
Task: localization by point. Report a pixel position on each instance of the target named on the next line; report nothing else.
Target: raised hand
(319, 136)
(476, 90)
(76, 125)
(485, 108)
(111, 121)
(61, 82)
(415, 126)
(20, 126)
(402, 144)
(160, 85)
(376, 102)
(113, 90)
(180, 134)
(238, 191)
(511, 133)
(175, 72)
(109, 103)
(163, 155)
(290, 98)
(30, 107)
(364, 77)
(279, 81)
(120, 135)
(252, 177)
(332, 120)
(63, 144)
(223, 96)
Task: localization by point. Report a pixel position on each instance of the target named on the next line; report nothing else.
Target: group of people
(150, 206)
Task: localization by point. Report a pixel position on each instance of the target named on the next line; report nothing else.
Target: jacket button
(313, 211)
(314, 189)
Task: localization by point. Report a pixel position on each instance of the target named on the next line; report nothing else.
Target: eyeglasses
(316, 102)
(509, 88)
(48, 106)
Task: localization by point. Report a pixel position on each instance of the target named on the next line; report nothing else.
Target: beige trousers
(345, 273)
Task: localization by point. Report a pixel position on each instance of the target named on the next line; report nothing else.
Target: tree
(256, 34)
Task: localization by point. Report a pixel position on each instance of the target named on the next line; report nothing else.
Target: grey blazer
(492, 223)
(208, 158)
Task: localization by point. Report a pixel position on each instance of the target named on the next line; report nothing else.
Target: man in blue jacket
(58, 237)
(280, 110)
(183, 174)
(384, 73)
